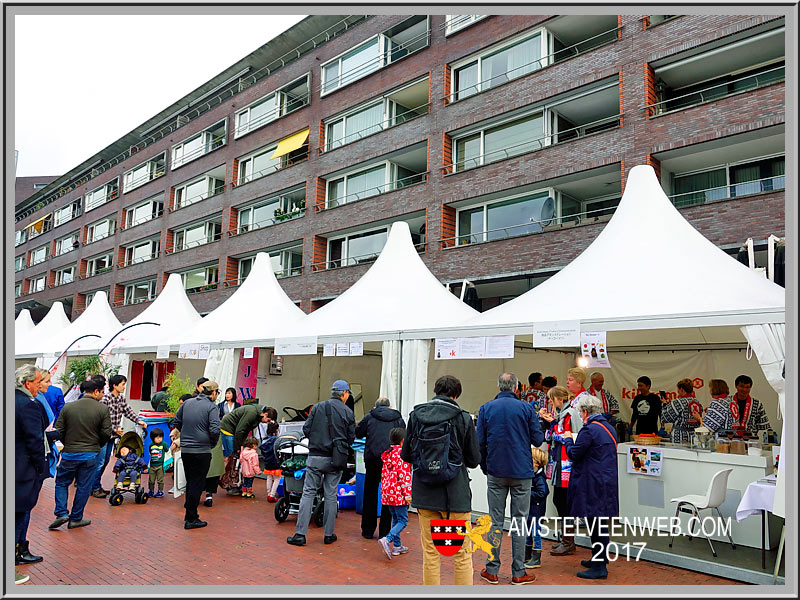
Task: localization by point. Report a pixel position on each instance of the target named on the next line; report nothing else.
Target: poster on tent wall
(295, 346)
(557, 334)
(498, 346)
(594, 349)
(643, 460)
(247, 375)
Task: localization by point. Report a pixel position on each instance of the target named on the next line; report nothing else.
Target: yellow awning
(291, 143)
(40, 223)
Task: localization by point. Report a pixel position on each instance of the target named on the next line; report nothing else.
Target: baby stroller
(133, 441)
(297, 414)
(292, 453)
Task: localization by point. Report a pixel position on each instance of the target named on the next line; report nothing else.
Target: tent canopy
(648, 269)
(398, 292)
(173, 312)
(98, 319)
(53, 322)
(23, 325)
(254, 311)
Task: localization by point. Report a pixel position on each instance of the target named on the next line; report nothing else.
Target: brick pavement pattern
(243, 544)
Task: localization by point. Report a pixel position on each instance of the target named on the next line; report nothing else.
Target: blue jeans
(81, 471)
(399, 522)
(227, 444)
(101, 463)
(534, 538)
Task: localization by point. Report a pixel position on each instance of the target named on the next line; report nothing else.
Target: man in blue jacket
(507, 428)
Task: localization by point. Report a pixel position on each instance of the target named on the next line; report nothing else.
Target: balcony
(199, 144)
(208, 185)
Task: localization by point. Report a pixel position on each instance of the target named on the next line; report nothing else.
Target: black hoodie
(456, 495)
(375, 426)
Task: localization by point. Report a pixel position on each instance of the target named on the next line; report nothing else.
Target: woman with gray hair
(593, 485)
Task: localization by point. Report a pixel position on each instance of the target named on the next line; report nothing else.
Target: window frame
(109, 194)
(46, 249)
(59, 275)
(449, 30)
(151, 292)
(17, 290)
(70, 240)
(32, 283)
(130, 251)
(209, 237)
(91, 264)
(208, 139)
(727, 166)
(111, 220)
(19, 259)
(20, 236)
(75, 212)
(128, 186)
(283, 203)
(345, 258)
(209, 281)
(279, 93)
(387, 164)
(151, 201)
(548, 191)
(182, 188)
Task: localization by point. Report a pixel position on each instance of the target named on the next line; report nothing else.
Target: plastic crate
(347, 500)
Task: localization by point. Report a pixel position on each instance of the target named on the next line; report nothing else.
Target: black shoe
(589, 564)
(208, 501)
(81, 523)
(58, 522)
(297, 540)
(196, 524)
(24, 557)
(367, 537)
(329, 539)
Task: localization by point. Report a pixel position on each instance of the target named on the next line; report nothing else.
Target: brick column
(656, 164)
(447, 154)
(319, 253)
(650, 96)
(448, 226)
(319, 199)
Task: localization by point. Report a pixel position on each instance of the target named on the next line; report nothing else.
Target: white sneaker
(398, 551)
(386, 546)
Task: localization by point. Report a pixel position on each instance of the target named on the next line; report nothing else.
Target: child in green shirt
(157, 450)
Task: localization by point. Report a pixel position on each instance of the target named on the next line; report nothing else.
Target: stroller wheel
(282, 510)
(318, 516)
(115, 499)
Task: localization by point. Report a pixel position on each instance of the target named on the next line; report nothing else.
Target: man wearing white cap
(330, 429)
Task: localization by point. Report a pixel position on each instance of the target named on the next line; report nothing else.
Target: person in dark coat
(452, 500)
(375, 427)
(593, 483)
(30, 462)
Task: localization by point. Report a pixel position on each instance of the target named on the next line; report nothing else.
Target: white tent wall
(221, 367)
(390, 370)
(416, 359)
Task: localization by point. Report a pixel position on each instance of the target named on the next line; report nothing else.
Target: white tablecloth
(757, 497)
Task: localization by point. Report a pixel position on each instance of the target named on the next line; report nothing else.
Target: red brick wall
(84, 234)
(169, 241)
(321, 137)
(319, 199)
(117, 294)
(447, 154)
(233, 220)
(319, 253)
(447, 85)
(51, 278)
(650, 96)
(645, 21)
(79, 303)
(171, 206)
(82, 266)
(656, 164)
(121, 256)
(621, 110)
(448, 229)
(231, 269)
(235, 173)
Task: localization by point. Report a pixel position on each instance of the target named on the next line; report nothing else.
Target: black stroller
(132, 440)
(297, 414)
(291, 462)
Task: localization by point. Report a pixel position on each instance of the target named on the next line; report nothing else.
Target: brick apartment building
(502, 140)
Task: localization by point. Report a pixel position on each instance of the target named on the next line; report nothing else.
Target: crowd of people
(530, 442)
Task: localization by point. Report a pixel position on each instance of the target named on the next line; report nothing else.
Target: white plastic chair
(694, 503)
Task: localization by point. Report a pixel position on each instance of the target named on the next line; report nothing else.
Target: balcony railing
(756, 81)
(96, 272)
(35, 262)
(282, 274)
(512, 231)
(208, 287)
(369, 192)
(136, 261)
(725, 192)
(535, 144)
(409, 115)
(146, 219)
(147, 178)
(521, 70)
(56, 284)
(279, 218)
(133, 301)
(274, 114)
(206, 148)
(202, 196)
(360, 259)
(194, 244)
(272, 169)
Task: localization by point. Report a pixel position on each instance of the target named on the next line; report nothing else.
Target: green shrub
(82, 367)
(177, 387)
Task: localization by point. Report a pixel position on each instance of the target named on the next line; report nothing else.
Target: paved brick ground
(146, 544)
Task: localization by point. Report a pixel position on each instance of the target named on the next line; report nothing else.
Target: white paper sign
(500, 346)
(329, 350)
(162, 352)
(204, 350)
(248, 353)
(594, 350)
(446, 348)
(472, 347)
(356, 348)
(294, 346)
(557, 334)
(189, 351)
(644, 460)
(343, 349)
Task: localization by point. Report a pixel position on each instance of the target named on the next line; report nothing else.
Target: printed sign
(329, 350)
(162, 352)
(189, 351)
(356, 349)
(343, 349)
(594, 349)
(294, 346)
(446, 348)
(248, 353)
(246, 375)
(500, 346)
(645, 461)
(557, 334)
(203, 351)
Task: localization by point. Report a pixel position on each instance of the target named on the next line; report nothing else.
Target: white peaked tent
(23, 324)
(52, 323)
(173, 312)
(98, 319)
(648, 269)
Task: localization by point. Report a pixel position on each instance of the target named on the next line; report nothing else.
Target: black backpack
(436, 454)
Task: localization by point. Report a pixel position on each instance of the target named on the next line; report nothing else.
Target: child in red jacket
(395, 492)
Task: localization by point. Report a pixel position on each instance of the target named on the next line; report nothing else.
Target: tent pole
(400, 377)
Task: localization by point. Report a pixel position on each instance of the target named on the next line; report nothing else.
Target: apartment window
(199, 144)
(357, 186)
(145, 172)
(730, 181)
(17, 290)
(65, 275)
(19, 263)
(38, 284)
(144, 211)
(455, 23)
(287, 262)
(200, 279)
(20, 237)
(89, 296)
(40, 226)
(39, 186)
(514, 59)
(272, 210)
(101, 229)
(101, 195)
(67, 213)
(138, 292)
(39, 255)
(393, 44)
(67, 244)
(356, 249)
(504, 218)
(197, 235)
(198, 190)
(273, 157)
(501, 141)
(98, 265)
(141, 252)
(394, 108)
(272, 106)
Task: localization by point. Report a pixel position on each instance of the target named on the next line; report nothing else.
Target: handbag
(340, 450)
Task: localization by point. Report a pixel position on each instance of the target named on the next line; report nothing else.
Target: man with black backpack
(330, 429)
(441, 445)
